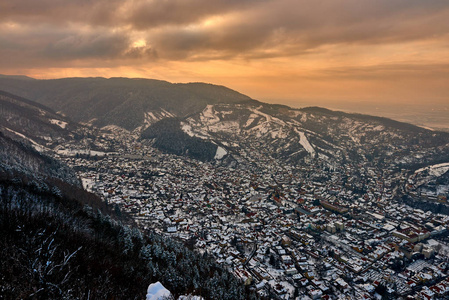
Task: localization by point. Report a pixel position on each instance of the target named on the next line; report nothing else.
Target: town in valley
(311, 230)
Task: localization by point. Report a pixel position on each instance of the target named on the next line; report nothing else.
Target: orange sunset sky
(288, 51)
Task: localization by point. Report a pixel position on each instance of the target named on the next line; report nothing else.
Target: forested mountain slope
(128, 103)
(30, 121)
(58, 241)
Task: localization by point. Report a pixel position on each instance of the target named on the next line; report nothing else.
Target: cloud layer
(348, 40)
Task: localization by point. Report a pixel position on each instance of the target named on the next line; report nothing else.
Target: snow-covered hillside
(312, 133)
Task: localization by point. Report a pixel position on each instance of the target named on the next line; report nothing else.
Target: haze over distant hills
(432, 116)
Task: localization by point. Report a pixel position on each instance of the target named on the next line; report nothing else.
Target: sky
(331, 53)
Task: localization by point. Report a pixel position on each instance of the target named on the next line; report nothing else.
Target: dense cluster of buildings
(305, 231)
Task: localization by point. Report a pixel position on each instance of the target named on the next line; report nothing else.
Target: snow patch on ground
(435, 170)
(149, 119)
(228, 126)
(21, 135)
(221, 152)
(87, 184)
(208, 115)
(354, 139)
(280, 134)
(150, 115)
(294, 153)
(295, 113)
(70, 152)
(299, 126)
(187, 129)
(167, 113)
(428, 128)
(36, 146)
(305, 142)
(225, 113)
(260, 129)
(190, 297)
(197, 132)
(323, 156)
(378, 128)
(251, 119)
(114, 128)
(442, 189)
(60, 123)
(267, 116)
(210, 122)
(157, 291)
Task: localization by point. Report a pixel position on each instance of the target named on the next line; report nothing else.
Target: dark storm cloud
(139, 14)
(109, 45)
(52, 46)
(292, 27)
(248, 29)
(61, 26)
(93, 12)
(148, 14)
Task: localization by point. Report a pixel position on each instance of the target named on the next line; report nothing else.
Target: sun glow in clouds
(213, 21)
(139, 44)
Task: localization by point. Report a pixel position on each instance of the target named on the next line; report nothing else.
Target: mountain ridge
(299, 135)
(120, 101)
(27, 120)
(210, 118)
(45, 92)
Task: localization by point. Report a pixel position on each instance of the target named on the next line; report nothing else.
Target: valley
(322, 223)
(293, 202)
(276, 228)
